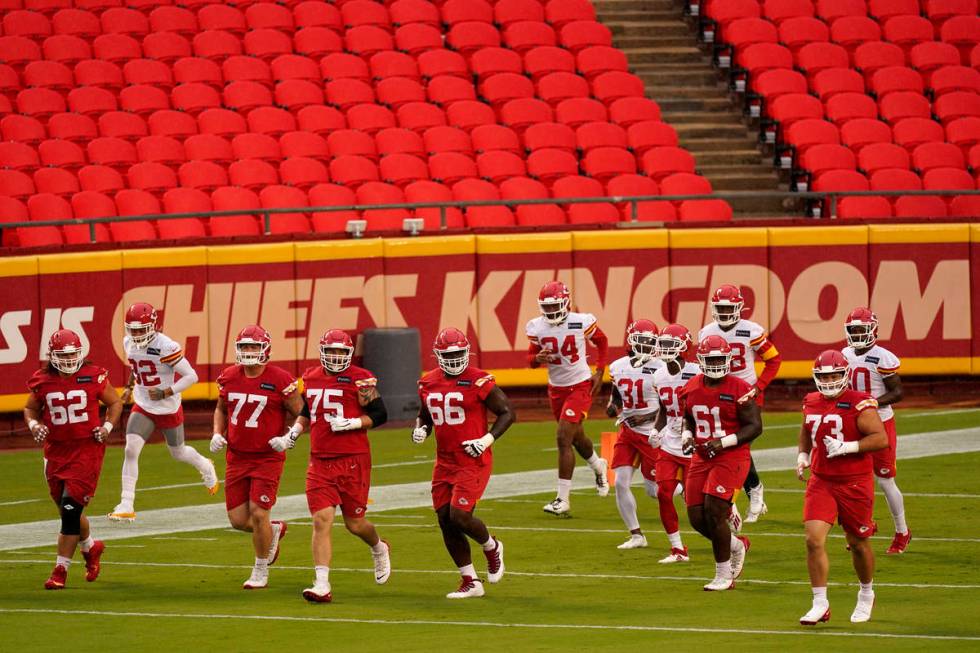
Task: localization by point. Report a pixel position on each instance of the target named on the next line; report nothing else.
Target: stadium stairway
(663, 50)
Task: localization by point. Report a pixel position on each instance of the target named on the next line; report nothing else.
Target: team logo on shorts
(883, 470)
(863, 529)
(720, 488)
(359, 511)
(264, 498)
(570, 412)
(463, 502)
(86, 498)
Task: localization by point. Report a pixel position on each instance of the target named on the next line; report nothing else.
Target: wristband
(31, 424)
(851, 447)
(294, 432)
(729, 441)
(218, 434)
(803, 459)
(107, 426)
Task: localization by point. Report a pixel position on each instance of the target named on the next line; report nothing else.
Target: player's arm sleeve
(532, 351)
(376, 411)
(601, 342)
(188, 376)
(770, 356)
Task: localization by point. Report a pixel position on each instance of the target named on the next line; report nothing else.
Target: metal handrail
(634, 200)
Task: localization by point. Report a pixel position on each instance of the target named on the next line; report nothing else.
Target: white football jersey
(568, 364)
(154, 367)
(868, 372)
(637, 389)
(668, 387)
(745, 339)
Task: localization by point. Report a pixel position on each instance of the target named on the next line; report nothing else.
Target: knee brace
(71, 516)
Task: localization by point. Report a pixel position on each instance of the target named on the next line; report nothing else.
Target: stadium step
(663, 50)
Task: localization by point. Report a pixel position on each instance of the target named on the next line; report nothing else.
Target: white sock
(468, 570)
(723, 569)
(489, 545)
(737, 544)
(625, 501)
(378, 548)
(189, 455)
(322, 574)
(86, 544)
(564, 488)
(131, 467)
(867, 588)
(896, 503)
(261, 563)
(651, 488)
(820, 594)
(63, 561)
(593, 460)
(675, 540)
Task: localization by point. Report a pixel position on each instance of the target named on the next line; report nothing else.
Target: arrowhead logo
(720, 489)
(264, 498)
(570, 412)
(864, 529)
(463, 502)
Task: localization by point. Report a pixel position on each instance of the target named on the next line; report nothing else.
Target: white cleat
(757, 507)
(819, 613)
(122, 513)
(635, 542)
(382, 564)
(720, 585)
(862, 611)
(676, 555)
(735, 520)
(279, 529)
(557, 507)
(210, 478)
(738, 556)
(469, 588)
(495, 562)
(258, 580)
(601, 479)
(319, 593)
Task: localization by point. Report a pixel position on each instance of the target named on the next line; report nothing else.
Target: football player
(674, 348)
(62, 411)
(839, 434)
(341, 403)
(718, 430)
(874, 370)
(155, 360)
(749, 342)
(254, 401)
(635, 405)
(558, 340)
(455, 398)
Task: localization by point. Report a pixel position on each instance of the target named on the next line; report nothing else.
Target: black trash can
(394, 355)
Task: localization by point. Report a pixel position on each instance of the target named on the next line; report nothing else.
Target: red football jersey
(456, 405)
(329, 394)
(837, 418)
(715, 411)
(71, 405)
(256, 407)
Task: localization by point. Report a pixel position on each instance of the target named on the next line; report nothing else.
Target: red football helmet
(673, 343)
(65, 351)
(553, 300)
(641, 336)
(336, 350)
(141, 324)
(726, 305)
(715, 357)
(861, 328)
(252, 346)
(452, 350)
(830, 373)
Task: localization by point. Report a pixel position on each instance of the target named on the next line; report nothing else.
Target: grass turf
(157, 593)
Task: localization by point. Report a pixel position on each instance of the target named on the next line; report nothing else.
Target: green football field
(567, 587)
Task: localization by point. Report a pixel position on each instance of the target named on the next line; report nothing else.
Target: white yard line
(17, 503)
(928, 495)
(493, 624)
(168, 521)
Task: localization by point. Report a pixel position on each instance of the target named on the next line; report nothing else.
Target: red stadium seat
(965, 206)
(704, 210)
(685, 183)
(395, 92)
(947, 179)
(845, 107)
(417, 39)
(57, 181)
(256, 146)
(525, 35)
(600, 134)
(40, 103)
(173, 19)
(241, 68)
(295, 67)
(62, 154)
(119, 20)
(545, 60)
(612, 86)
(580, 34)
(904, 104)
(949, 79)
(166, 47)
(822, 158)
(907, 31)
(68, 50)
(929, 156)
(154, 178)
(370, 118)
(332, 195)
(760, 57)
(885, 9)
(864, 207)
(930, 55)
(431, 191)
(658, 162)
(194, 98)
(796, 32)
(101, 179)
(22, 129)
(639, 186)
(964, 132)
(489, 138)
(596, 60)
(548, 165)
(393, 64)
(451, 167)
(447, 139)
(216, 45)
(883, 156)
(650, 133)
(245, 96)
(319, 42)
(16, 184)
(420, 116)
(19, 156)
(893, 179)
(403, 169)
(252, 174)
(920, 206)
(578, 111)
(561, 12)
(503, 87)
(487, 62)
(364, 40)
(302, 143)
(271, 120)
(499, 166)
(45, 206)
(230, 198)
(276, 196)
(223, 17)
(787, 109)
(851, 31)
(551, 135)
(267, 44)
(91, 101)
(814, 57)
(72, 127)
(743, 32)
(148, 71)
(131, 202)
(195, 69)
(442, 62)
(173, 123)
(804, 134)
(532, 215)
(841, 180)
(912, 132)
(780, 10)
(113, 152)
(446, 89)
(956, 105)
(352, 171)
(830, 10)
(202, 175)
(892, 79)
(398, 140)
(604, 163)
(269, 16)
(359, 12)
(831, 81)
(861, 132)
(344, 66)
(961, 32)
(95, 72)
(407, 12)
(161, 149)
(489, 217)
(89, 204)
(77, 22)
(376, 193)
(48, 74)
(347, 142)
(521, 113)
(631, 110)
(11, 210)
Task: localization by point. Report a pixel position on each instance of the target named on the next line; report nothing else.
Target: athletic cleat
(279, 529)
(495, 562)
(469, 588)
(819, 613)
(862, 611)
(900, 543)
(258, 580)
(319, 593)
(122, 513)
(676, 555)
(738, 557)
(635, 542)
(210, 478)
(382, 564)
(757, 507)
(735, 520)
(557, 507)
(720, 585)
(58, 578)
(601, 479)
(93, 560)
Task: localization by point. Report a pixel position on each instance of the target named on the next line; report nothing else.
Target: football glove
(687, 443)
(420, 433)
(339, 424)
(656, 439)
(39, 431)
(476, 447)
(101, 433)
(218, 443)
(802, 463)
(837, 448)
(287, 441)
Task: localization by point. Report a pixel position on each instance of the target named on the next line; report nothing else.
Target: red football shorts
(171, 421)
(252, 478)
(849, 502)
(719, 477)
(884, 459)
(632, 449)
(460, 486)
(571, 403)
(671, 468)
(74, 471)
(343, 481)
